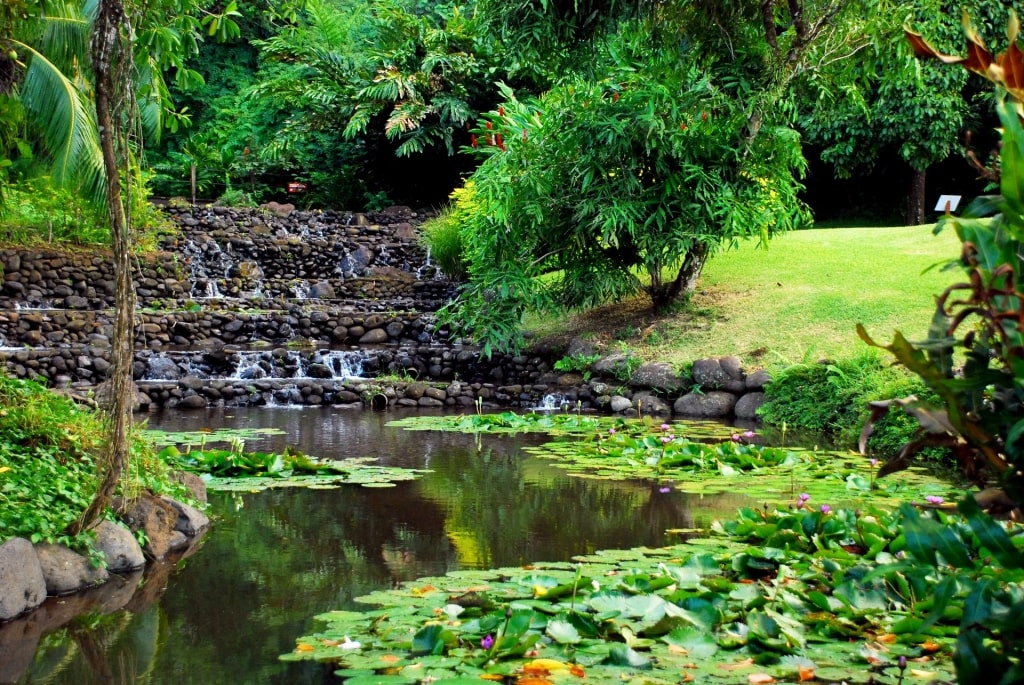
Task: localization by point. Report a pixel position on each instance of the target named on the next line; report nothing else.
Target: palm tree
(44, 73)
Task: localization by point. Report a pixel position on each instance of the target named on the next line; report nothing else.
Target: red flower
(703, 116)
(472, 140)
(524, 134)
(501, 110)
(490, 126)
(501, 145)
(615, 97)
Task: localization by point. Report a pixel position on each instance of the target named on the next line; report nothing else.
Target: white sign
(947, 203)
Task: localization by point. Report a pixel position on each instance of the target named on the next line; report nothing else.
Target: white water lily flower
(350, 644)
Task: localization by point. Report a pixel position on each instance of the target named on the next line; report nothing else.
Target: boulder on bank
(658, 375)
(715, 404)
(65, 570)
(119, 547)
(157, 519)
(22, 585)
(747, 405)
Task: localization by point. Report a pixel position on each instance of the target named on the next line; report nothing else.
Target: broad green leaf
(563, 632)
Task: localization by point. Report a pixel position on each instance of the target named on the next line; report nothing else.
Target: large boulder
(66, 570)
(648, 403)
(712, 404)
(723, 373)
(157, 519)
(190, 520)
(22, 586)
(658, 375)
(747, 406)
(119, 547)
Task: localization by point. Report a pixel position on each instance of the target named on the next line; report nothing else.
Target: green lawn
(799, 300)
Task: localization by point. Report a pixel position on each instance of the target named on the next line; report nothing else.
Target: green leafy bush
(48, 448)
(832, 398)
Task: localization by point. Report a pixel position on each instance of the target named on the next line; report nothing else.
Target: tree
(57, 87)
(647, 161)
(45, 89)
(390, 77)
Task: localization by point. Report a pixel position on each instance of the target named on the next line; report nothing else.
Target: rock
(278, 209)
(22, 585)
(157, 519)
(578, 347)
(319, 371)
(756, 380)
(322, 290)
(190, 521)
(619, 404)
(119, 547)
(374, 336)
(747, 405)
(611, 365)
(415, 391)
(711, 404)
(732, 367)
(195, 484)
(66, 570)
(658, 375)
(194, 402)
(646, 403)
(708, 374)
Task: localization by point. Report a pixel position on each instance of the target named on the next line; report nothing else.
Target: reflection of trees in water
(508, 508)
(275, 559)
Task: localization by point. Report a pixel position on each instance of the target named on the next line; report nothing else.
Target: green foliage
(577, 362)
(650, 167)
(981, 403)
(831, 398)
(693, 457)
(38, 211)
(48, 448)
(810, 592)
(444, 235)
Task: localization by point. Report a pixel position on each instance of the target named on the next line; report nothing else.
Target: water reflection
(273, 560)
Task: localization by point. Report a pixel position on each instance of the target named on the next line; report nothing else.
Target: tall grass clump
(443, 235)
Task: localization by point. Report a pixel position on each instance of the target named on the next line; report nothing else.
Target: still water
(273, 560)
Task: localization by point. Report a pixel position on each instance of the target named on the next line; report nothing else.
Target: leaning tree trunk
(107, 49)
(664, 295)
(915, 203)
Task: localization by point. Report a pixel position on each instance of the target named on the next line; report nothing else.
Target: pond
(274, 559)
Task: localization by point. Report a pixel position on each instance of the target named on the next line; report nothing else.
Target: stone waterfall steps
(253, 307)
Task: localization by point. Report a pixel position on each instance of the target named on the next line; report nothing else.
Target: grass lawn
(799, 300)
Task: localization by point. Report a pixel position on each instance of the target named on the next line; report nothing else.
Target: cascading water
(552, 402)
(342, 363)
(206, 265)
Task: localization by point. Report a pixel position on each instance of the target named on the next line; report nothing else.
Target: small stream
(273, 560)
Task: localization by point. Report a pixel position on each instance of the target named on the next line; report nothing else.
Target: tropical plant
(378, 69)
(981, 405)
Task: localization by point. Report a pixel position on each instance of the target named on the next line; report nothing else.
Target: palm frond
(61, 111)
(64, 39)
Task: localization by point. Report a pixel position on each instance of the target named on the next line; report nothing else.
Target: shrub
(832, 398)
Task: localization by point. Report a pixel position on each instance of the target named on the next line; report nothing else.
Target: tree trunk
(665, 295)
(915, 203)
(106, 49)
